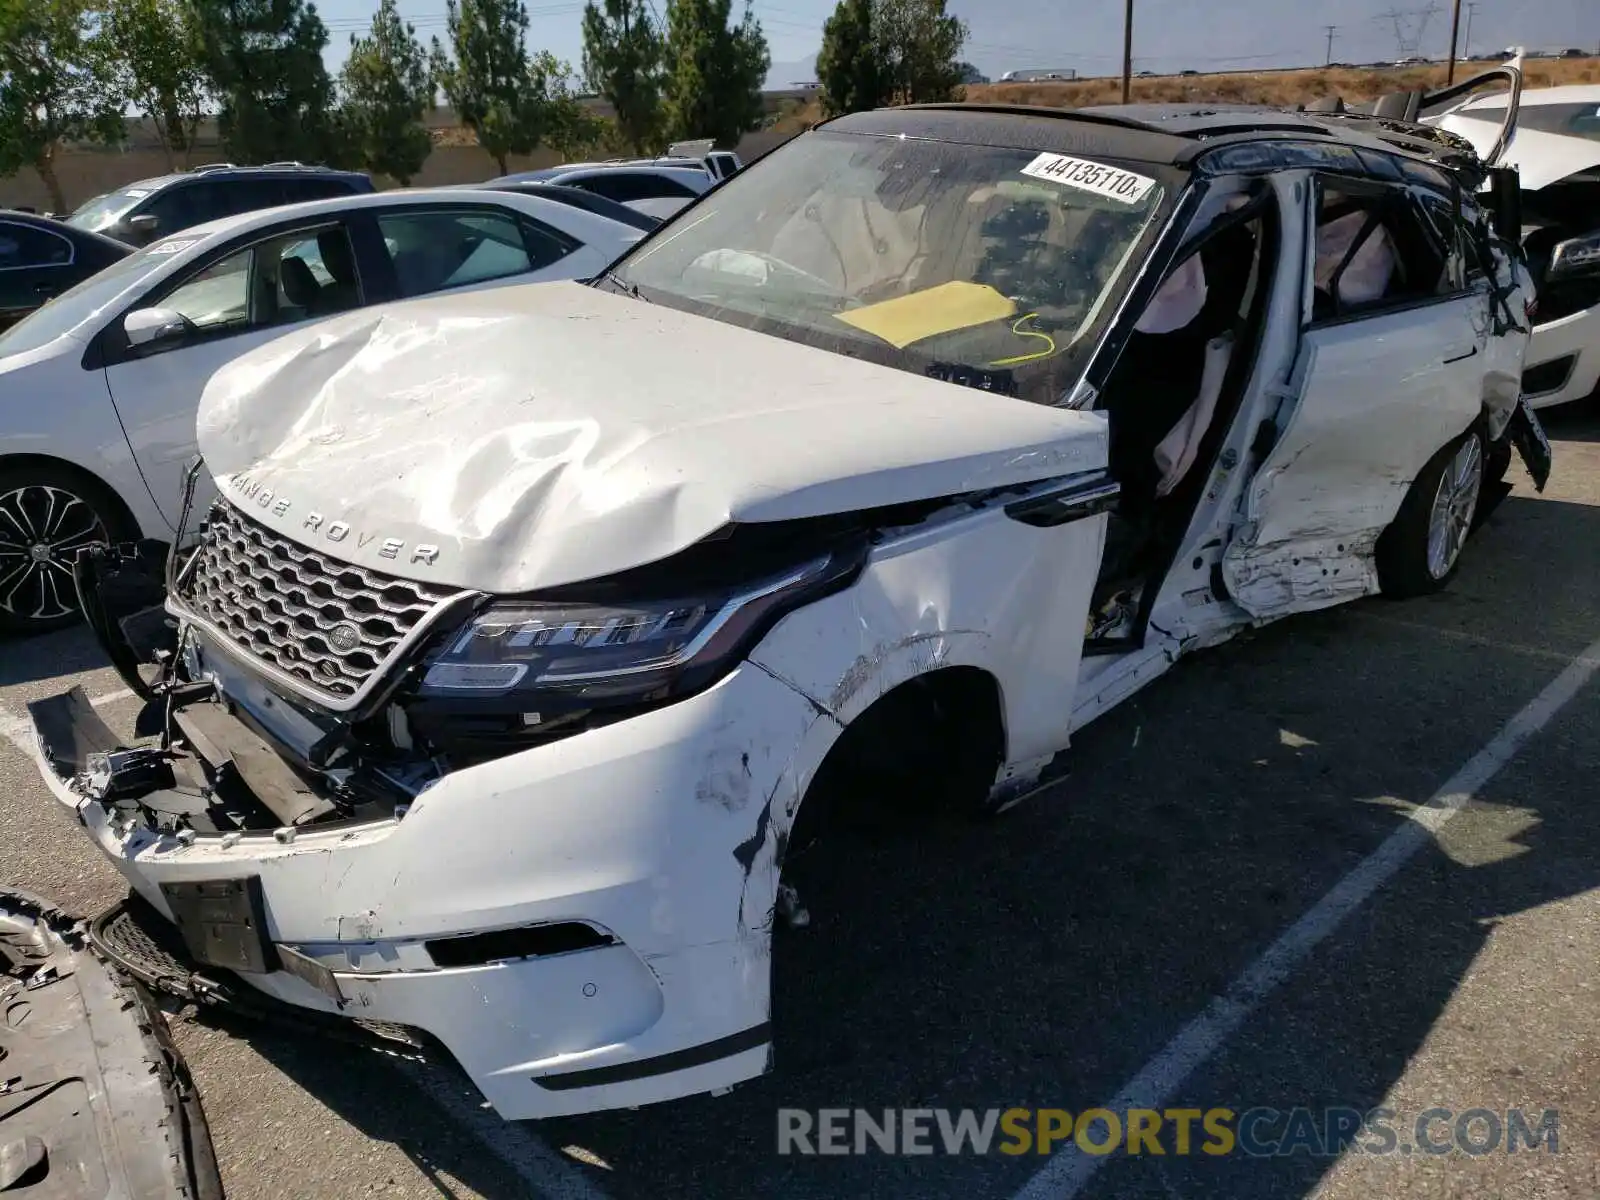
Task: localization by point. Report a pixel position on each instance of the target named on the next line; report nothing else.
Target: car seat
(340, 261)
(300, 286)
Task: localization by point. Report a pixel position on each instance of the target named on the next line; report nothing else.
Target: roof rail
(217, 166)
(287, 162)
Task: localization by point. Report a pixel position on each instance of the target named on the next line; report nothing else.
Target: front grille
(280, 601)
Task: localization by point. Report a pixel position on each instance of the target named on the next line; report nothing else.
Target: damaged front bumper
(581, 925)
(95, 1099)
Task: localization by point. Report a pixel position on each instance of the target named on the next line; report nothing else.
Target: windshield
(992, 267)
(1573, 120)
(76, 304)
(104, 211)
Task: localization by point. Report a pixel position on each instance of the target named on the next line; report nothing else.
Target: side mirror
(147, 326)
(141, 229)
(1574, 257)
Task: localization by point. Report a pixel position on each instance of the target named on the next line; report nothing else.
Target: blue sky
(1169, 35)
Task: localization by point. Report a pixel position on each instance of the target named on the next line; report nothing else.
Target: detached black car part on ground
(95, 1100)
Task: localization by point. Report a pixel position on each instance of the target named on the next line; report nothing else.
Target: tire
(47, 514)
(1421, 549)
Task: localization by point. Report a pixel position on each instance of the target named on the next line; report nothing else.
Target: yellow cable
(1019, 359)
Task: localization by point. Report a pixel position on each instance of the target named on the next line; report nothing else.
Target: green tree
(714, 72)
(850, 65)
(622, 56)
(275, 98)
(151, 54)
(513, 104)
(385, 92)
(551, 113)
(51, 87)
(920, 44)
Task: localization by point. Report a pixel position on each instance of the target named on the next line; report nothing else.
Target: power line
(1409, 27)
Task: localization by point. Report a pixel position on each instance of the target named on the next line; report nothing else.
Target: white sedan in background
(1556, 147)
(98, 389)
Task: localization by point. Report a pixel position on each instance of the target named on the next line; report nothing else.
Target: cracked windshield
(989, 267)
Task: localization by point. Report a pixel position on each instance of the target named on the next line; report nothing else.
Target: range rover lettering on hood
(533, 436)
(313, 526)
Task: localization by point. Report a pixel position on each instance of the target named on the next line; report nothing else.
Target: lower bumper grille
(324, 622)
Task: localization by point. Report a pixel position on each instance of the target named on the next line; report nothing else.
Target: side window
(310, 275)
(624, 186)
(546, 245)
(294, 277)
(297, 190)
(247, 195)
(24, 246)
(1375, 250)
(437, 249)
(216, 299)
(181, 207)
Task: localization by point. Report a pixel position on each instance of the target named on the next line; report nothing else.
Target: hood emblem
(344, 638)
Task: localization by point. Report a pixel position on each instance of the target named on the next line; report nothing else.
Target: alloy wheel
(1454, 506)
(42, 528)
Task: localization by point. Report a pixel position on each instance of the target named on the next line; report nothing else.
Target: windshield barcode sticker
(1113, 183)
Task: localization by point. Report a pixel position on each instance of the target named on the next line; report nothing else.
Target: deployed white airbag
(1366, 279)
(1177, 451)
(1178, 300)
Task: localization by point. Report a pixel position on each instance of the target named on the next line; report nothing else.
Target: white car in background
(98, 389)
(1556, 147)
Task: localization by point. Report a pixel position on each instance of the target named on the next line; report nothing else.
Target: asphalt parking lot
(1231, 845)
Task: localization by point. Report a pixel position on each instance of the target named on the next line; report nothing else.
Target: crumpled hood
(1540, 158)
(532, 436)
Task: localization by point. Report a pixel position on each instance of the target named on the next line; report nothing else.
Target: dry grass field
(1260, 87)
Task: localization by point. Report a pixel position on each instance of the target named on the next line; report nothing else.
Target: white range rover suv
(533, 627)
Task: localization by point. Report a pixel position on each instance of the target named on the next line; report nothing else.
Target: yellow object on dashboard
(935, 310)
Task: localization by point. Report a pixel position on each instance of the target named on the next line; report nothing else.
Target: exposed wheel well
(88, 480)
(930, 745)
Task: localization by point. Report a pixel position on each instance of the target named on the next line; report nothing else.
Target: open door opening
(1171, 399)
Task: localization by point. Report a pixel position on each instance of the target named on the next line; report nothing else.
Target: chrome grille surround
(279, 601)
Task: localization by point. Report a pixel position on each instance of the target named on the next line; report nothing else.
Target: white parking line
(542, 1169)
(1066, 1175)
(544, 1172)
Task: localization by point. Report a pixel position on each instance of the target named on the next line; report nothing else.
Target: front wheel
(1421, 549)
(46, 517)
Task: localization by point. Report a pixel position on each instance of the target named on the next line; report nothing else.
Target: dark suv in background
(141, 212)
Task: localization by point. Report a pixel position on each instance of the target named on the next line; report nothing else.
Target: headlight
(586, 653)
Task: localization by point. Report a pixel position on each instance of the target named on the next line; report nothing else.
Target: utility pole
(1332, 29)
(1127, 54)
(1455, 28)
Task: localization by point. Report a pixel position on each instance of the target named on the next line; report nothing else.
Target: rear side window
(624, 186)
(297, 190)
(247, 195)
(433, 250)
(26, 246)
(1377, 251)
